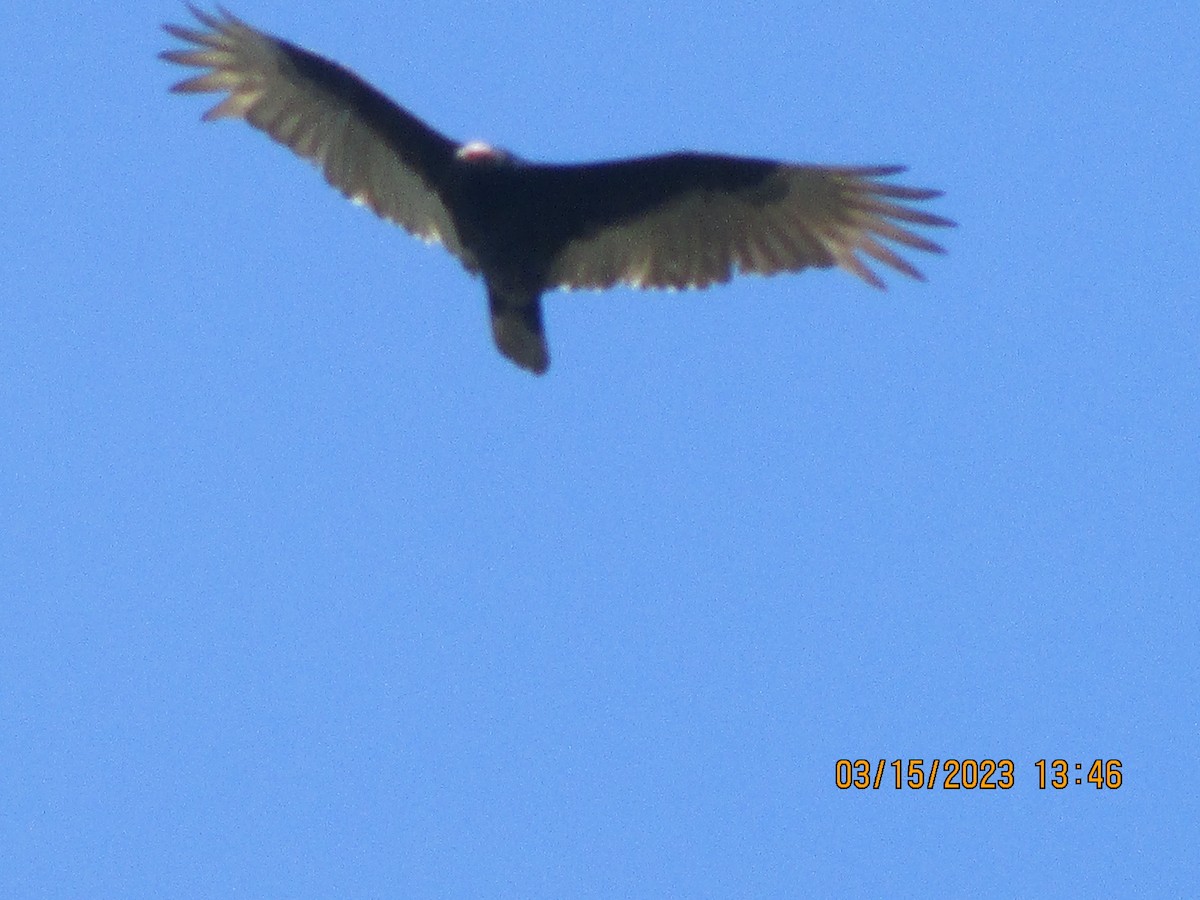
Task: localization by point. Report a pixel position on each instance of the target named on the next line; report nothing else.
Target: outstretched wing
(370, 149)
(692, 219)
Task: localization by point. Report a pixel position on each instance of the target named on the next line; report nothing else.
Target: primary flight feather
(680, 220)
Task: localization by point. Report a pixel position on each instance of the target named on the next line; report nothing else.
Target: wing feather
(701, 217)
(373, 151)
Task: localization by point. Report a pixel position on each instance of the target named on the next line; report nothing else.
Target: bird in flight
(679, 220)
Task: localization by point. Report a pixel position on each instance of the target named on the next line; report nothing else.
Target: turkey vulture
(681, 220)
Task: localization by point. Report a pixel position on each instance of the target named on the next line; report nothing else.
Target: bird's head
(485, 154)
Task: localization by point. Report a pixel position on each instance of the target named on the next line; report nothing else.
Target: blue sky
(309, 593)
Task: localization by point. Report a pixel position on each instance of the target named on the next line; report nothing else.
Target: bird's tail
(517, 327)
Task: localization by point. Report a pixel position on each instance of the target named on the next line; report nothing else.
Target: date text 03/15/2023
(973, 774)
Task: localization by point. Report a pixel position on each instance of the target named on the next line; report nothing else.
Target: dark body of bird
(680, 220)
